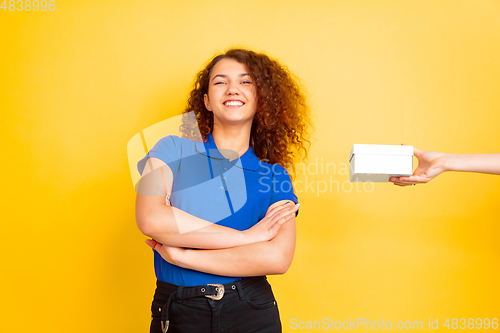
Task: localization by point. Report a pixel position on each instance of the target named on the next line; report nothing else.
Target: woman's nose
(232, 89)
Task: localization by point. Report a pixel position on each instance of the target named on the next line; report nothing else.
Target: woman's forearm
(173, 227)
(484, 163)
(263, 258)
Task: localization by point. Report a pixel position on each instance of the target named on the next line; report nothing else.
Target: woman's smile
(233, 103)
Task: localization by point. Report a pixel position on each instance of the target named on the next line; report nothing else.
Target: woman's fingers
(277, 210)
(402, 184)
(160, 248)
(405, 183)
(277, 225)
(152, 243)
(410, 180)
(281, 219)
(267, 228)
(284, 215)
(288, 209)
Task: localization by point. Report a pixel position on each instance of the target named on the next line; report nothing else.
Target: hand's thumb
(417, 152)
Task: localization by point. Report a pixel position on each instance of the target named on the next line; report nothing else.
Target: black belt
(214, 291)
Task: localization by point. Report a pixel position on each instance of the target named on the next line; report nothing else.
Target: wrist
(181, 258)
(448, 162)
(247, 237)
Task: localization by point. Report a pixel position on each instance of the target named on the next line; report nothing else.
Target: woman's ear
(207, 102)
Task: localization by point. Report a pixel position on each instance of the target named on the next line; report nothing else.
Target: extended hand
(430, 165)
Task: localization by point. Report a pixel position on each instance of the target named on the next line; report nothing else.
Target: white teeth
(233, 103)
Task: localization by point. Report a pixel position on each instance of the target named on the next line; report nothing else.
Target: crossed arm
(261, 258)
(266, 248)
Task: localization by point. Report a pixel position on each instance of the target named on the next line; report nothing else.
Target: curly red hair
(281, 128)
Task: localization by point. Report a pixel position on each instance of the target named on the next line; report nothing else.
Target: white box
(378, 163)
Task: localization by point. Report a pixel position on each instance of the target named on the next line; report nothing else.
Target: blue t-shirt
(234, 194)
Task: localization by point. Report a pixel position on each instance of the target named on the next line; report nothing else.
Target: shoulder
(173, 143)
(168, 150)
(169, 139)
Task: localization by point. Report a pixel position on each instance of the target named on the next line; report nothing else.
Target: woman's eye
(247, 82)
(219, 83)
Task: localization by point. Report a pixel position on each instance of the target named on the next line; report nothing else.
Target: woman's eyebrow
(225, 76)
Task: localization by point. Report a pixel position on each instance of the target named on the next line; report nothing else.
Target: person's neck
(231, 140)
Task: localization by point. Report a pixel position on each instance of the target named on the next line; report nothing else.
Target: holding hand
(433, 163)
(430, 165)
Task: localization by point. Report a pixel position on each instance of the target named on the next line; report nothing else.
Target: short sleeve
(282, 187)
(168, 150)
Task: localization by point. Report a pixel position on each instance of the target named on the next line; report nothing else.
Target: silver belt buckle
(220, 291)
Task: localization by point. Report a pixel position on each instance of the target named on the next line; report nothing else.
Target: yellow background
(77, 83)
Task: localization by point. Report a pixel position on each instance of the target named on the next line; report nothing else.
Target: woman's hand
(170, 254)
(267, 228)
(430, 164)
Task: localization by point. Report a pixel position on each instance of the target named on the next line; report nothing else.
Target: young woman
(229, 216)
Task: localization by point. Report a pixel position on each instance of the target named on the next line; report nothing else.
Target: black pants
(247, 306)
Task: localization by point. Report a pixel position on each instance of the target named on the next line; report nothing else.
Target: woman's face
(231, 93)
